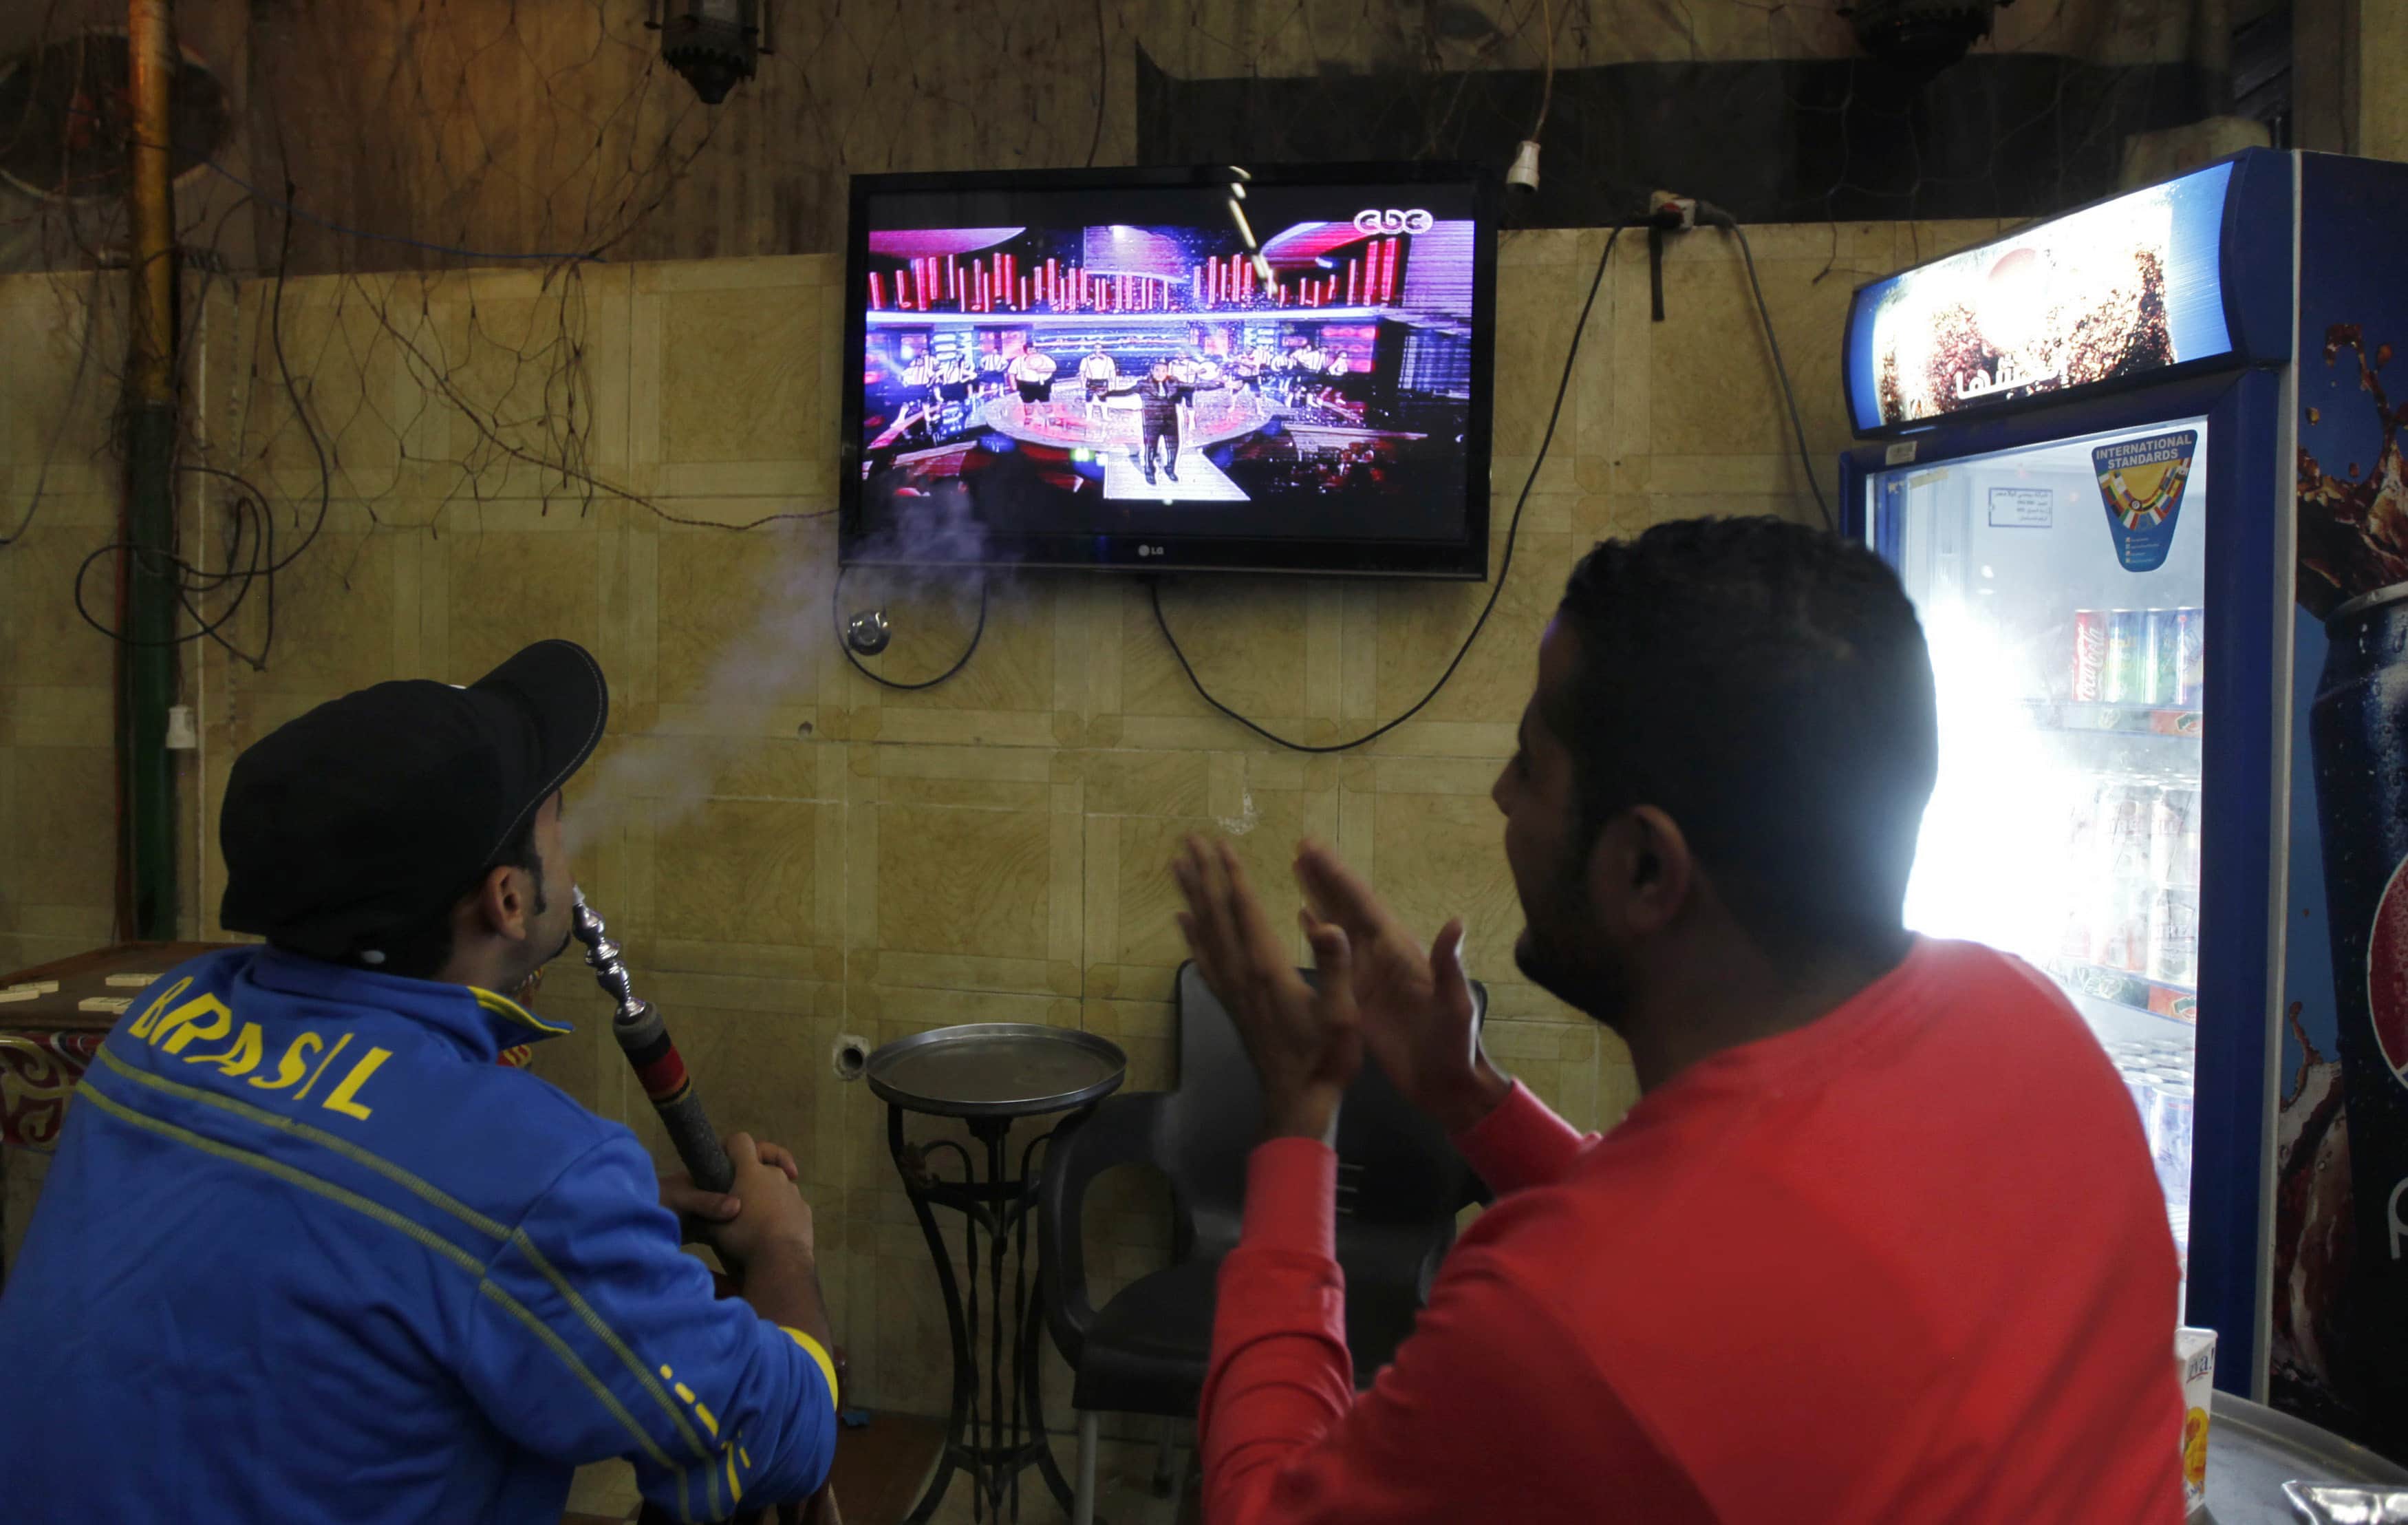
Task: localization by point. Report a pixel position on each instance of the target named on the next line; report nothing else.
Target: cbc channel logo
(1374, 219)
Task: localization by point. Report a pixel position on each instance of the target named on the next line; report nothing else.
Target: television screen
(1274, 369)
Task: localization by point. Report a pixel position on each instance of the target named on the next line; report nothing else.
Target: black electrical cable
(300, 411)
(208, 629)
(835, 604)
(189, 581)
(1103, 81)
(1716, 217)
(1504, 568)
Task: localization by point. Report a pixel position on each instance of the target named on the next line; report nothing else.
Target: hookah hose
(661, 1071)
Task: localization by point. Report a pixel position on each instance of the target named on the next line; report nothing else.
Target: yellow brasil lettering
(309, 1084)
(178, 1029)
(341, 1099)
(150, 1018)
(294, 1065)
(241, 1058)
(208, 1018)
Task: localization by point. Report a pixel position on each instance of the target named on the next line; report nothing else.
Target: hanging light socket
(713, 43)
(1523, 175)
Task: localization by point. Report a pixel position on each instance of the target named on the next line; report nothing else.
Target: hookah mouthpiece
(605, 958)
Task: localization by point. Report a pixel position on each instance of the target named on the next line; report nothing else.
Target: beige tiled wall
(791, 852)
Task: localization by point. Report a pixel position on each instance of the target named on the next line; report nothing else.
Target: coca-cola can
(2174, 935)
(2089, 656)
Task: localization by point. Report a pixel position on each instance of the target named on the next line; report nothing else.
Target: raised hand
(1418, 1016)
(1306, 1042)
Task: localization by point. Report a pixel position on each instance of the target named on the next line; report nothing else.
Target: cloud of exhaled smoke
(922, 564)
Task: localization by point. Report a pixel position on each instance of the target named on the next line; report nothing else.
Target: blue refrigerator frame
(2249, 547)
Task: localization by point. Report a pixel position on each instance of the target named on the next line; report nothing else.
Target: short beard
(535, 872)
(1561, 953)
(567, 933)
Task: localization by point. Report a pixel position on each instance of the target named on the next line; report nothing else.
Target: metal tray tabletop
(2253, 1450)
(996, 1070)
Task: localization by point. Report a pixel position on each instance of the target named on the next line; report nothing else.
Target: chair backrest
(1396, 1167)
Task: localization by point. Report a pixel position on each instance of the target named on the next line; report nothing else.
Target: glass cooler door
(2068, 645)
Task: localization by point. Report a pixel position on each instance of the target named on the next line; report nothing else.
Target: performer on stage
(926, 378)
(1033, 373)
(1160, 395)
(1098, 373)
(1334, 374)
(1247, 371)
(1185, 371)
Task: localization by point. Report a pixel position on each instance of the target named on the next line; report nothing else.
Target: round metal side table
(988, 1074)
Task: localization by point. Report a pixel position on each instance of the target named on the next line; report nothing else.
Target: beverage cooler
(2138, 469)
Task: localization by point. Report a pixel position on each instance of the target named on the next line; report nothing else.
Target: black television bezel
(1456, 561)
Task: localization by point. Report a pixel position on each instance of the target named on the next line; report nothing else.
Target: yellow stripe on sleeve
(827, 1364)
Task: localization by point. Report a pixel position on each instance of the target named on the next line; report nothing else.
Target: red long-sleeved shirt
(1906, 1263)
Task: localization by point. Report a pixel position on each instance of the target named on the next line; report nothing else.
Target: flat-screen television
(1269, 370)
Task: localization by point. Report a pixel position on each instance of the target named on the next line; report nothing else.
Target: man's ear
(504, 903)
(1641, 871)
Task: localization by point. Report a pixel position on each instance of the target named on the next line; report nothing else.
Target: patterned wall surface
(789, 852)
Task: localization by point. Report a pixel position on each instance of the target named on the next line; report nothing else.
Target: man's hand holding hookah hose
(775, 1256)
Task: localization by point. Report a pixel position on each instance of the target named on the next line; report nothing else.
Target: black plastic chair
(1400, 1183)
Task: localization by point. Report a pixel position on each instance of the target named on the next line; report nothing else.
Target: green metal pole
(150, 659)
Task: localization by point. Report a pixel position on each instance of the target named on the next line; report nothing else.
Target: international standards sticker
(2141, 482)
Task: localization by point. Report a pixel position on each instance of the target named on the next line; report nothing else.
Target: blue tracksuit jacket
(308, 1252)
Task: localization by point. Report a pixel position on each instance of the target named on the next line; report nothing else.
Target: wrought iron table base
(992, 1448)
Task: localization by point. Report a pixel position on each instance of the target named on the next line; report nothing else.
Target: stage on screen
(1154, 363)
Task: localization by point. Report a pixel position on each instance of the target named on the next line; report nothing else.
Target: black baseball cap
(373, 811)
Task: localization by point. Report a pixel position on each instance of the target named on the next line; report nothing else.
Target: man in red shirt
(1879, 1243)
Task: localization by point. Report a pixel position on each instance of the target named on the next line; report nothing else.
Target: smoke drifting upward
(923, 570)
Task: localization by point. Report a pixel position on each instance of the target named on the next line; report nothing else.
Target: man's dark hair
(1767, 685)
(423, 946)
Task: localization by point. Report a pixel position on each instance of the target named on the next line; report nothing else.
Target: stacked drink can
(2132, 847)
(2157, 1074)
(2140, 656)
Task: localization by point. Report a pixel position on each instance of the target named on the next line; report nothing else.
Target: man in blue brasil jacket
(308, 1252)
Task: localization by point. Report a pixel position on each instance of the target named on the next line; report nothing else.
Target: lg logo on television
(1373, 219)
(1152, 550)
